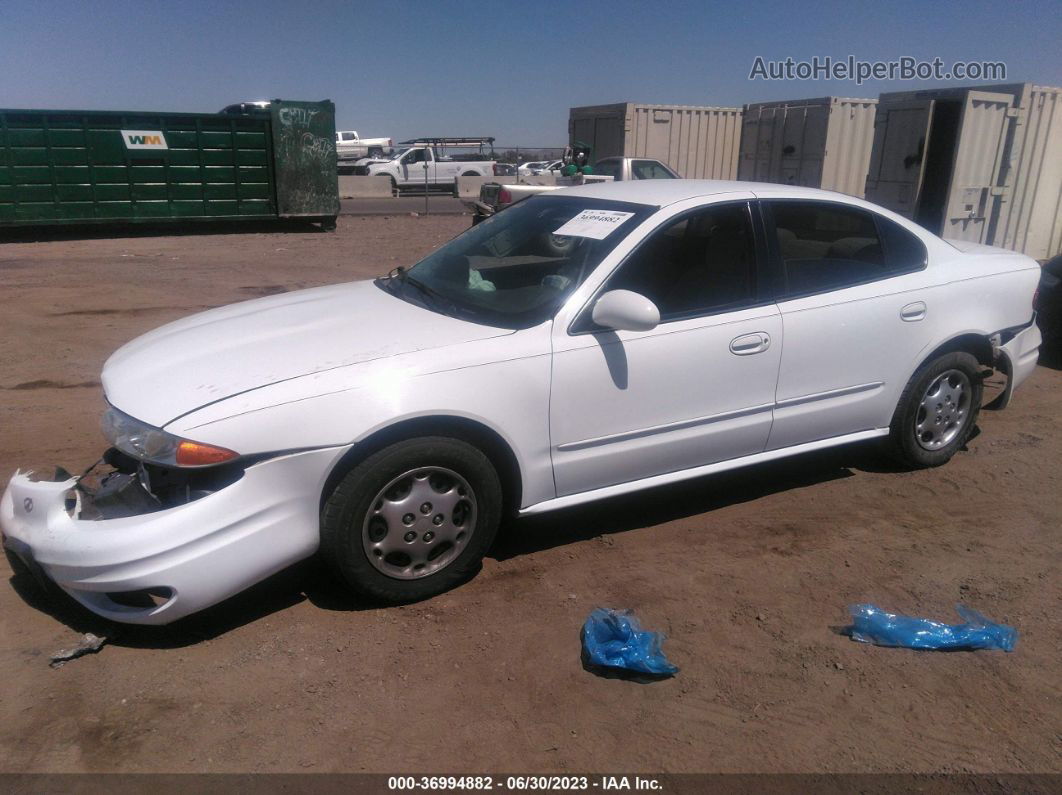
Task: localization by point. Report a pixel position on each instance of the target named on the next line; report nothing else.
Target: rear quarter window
(904, 252)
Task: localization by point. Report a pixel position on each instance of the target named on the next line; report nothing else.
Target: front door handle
(913, 312)
(747, 344)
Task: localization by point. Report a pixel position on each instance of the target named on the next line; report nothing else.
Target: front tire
(412, 520)
(937, 411)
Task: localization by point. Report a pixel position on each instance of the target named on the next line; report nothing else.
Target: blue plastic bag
(871, 624)
(615, 639)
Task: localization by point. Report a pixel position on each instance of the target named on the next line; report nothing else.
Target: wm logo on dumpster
(144, 139)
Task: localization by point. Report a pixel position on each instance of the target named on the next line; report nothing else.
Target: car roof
(661, 192)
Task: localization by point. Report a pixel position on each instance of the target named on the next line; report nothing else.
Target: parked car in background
(504, 170)
(528, 168)
(361, 166)
(494, 197)
(626, 168)
(244, 108)
(418, 166)
(351, 147)
(582, 345)
(1049, 301)
(553, 166)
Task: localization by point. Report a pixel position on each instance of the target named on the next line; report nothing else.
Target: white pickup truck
(494, 196)
(350, 146)
(423, 165)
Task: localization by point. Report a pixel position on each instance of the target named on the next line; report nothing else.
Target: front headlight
(147, 443)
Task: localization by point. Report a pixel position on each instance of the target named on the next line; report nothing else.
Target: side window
(608, 168)
(904, 252)
(648, 169)
(702, 263)
(827, 246)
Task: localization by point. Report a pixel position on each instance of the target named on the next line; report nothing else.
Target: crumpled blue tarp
(615, 639)
(871, 624)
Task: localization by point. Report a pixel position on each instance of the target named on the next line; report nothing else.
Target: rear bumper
(195, 554)
(479, 208)
(1017, 358)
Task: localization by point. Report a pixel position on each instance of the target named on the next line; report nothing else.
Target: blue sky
(498, 68)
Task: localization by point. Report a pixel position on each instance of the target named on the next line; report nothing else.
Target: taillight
(197, 454)
(504, 197)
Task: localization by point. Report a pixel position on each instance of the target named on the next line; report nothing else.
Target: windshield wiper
(436, 297)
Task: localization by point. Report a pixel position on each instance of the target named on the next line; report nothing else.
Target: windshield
(513, 269)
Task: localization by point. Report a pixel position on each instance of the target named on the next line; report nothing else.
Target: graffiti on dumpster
(306, 160)
(297, 117)
(316, 147)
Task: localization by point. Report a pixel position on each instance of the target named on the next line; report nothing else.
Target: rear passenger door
(446, 171)
(853, 296)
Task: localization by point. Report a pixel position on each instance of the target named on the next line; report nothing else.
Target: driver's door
(697, 389)
(413, 163)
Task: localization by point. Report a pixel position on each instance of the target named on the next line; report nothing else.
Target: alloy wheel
(944, 409)
(419, 523)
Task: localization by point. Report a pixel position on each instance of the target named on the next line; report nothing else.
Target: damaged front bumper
(158, 566)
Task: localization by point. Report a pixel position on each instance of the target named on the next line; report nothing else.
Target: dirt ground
(748, 574)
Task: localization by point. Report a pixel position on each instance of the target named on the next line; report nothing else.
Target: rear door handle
(913, 312)
(747, 344)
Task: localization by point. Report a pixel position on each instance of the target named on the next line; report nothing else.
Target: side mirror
(624, 310)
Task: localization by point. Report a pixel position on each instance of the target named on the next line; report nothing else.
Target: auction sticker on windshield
(596, 224)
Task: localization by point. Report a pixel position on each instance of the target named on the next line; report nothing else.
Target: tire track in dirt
(45, 383)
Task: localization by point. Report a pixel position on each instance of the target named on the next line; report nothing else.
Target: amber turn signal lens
(196, 454)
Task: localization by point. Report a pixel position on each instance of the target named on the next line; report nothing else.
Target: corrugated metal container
(697, 142)
(115, 166)
(974, 163)
(1031, 221)
(815, 143)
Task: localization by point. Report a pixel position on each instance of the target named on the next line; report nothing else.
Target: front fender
(511, 397)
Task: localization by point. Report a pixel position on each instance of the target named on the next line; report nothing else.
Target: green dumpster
(74, 167)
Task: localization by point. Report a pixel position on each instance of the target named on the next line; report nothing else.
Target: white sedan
(553, 166)
(583, 344)
(529, 168)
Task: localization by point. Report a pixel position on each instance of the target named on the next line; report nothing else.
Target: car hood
(214, 355)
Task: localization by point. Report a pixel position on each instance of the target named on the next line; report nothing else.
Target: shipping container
(697, 142)
(815, 143)
(1031, 219)
(982, 164)
(68, 166)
